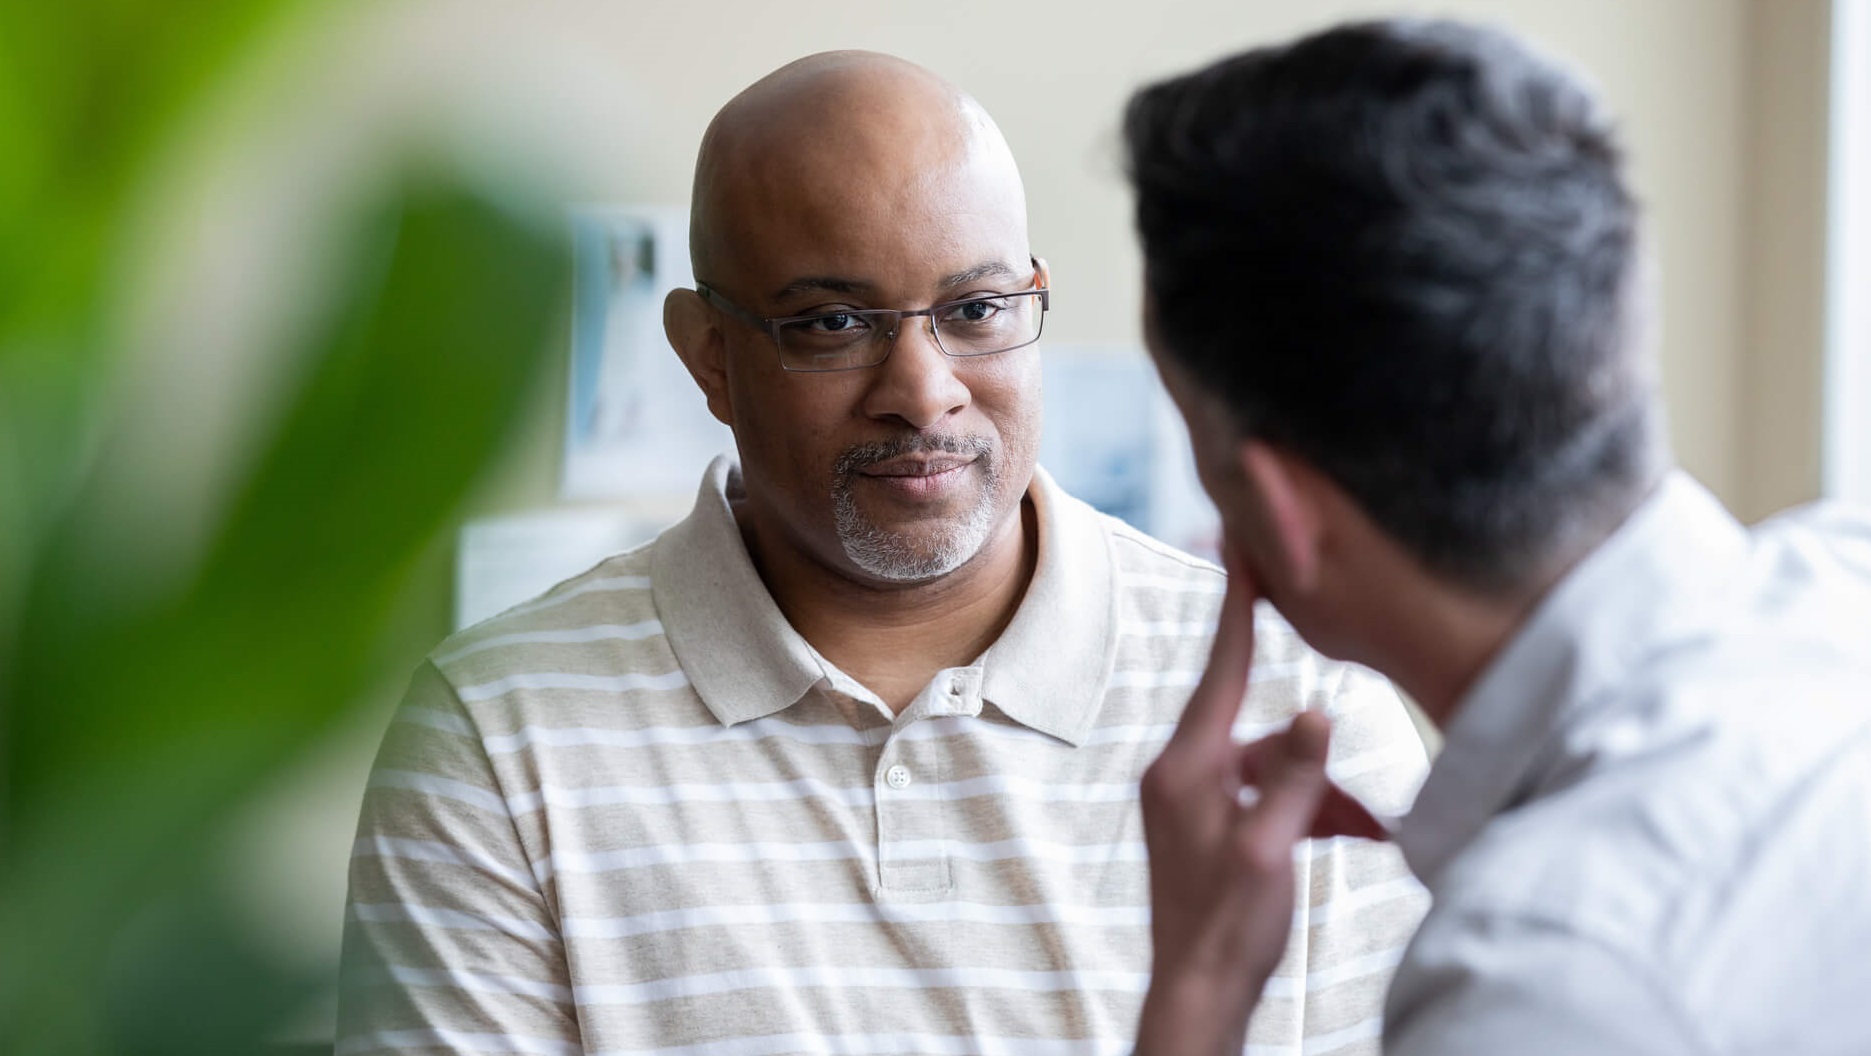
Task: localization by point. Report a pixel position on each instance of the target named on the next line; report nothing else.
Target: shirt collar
(734, 644)
(1645, 584)
(1048, 670)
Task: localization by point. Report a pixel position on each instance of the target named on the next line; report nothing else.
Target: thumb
(1292, 782)
(1339, 814)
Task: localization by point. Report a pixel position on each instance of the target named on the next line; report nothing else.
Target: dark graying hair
(1405, 252)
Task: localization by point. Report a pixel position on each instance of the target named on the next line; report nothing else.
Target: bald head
(834, 191)
(837, 134)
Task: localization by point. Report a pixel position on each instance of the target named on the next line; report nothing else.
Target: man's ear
(1287, 490)
(697, 338)
(1043, 274)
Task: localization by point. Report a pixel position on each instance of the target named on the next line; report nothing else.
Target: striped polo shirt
(642, 814)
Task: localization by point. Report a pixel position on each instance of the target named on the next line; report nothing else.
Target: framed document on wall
(635, 424)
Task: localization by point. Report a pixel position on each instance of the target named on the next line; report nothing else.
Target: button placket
(910, 827)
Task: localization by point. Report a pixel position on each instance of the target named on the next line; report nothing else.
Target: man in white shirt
(1391, 283)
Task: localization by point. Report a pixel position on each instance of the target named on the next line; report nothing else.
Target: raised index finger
(1210, 715)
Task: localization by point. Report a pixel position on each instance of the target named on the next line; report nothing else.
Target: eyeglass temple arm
(708, 294)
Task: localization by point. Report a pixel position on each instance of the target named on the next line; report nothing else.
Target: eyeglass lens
(862, 338)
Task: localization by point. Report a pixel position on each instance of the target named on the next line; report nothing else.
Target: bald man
(846, 762)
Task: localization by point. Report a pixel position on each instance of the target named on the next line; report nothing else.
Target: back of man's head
(1404, 252)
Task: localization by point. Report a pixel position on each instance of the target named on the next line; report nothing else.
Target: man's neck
(1441, 649)
(1438, 639)
(893, 638)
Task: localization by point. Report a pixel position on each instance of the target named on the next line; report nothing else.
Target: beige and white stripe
(638, 814)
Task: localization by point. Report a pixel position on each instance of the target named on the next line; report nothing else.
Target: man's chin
(909, 552)
(922, 520)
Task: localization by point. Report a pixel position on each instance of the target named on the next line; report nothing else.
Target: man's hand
(1221, 870)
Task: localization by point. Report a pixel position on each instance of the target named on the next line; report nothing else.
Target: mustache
(857, 456)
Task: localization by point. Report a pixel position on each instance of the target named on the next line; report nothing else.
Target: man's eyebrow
(821, 284)
(833, 284)
(993, 268)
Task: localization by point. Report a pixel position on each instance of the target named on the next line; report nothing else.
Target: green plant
(141, 700)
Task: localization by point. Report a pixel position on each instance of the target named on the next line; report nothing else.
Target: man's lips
(916, 466)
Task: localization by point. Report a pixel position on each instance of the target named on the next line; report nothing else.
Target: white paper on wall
(636, 424)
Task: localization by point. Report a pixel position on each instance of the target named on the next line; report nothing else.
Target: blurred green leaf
(186, 981)
(92, 93)
(138, 713)
(134, 733)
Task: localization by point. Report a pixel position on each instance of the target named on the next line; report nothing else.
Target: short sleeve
(449, 943)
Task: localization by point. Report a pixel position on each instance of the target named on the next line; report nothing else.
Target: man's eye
(976, 311)
(835, 323)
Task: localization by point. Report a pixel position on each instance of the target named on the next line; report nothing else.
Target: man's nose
(916, 384)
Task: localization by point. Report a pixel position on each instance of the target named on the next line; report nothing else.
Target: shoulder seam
(479, 739)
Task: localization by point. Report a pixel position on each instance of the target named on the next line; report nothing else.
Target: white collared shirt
(1650, 828)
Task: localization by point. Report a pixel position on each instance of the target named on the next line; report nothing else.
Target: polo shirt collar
(734, 644)
(1047, 671)
(1650, 582)
(1049, 668)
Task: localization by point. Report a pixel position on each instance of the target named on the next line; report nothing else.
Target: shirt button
(897, 777)
(955, 687)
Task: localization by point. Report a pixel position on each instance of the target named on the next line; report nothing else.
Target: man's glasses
(863, 337)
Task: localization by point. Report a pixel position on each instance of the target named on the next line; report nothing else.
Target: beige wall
(1721, 105)
(1678, 73)
(1780, 413)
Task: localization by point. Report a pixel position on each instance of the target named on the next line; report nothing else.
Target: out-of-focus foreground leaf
(134, 732)
(92, 95)
(140, 709)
